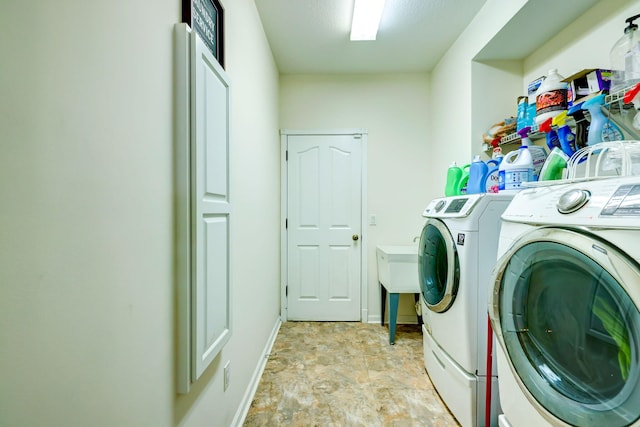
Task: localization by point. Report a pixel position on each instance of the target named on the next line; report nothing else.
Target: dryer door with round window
(565, 311)
(438, 266)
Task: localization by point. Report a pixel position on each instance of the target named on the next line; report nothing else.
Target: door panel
(324, 212)
(202, 207)
(210, 208)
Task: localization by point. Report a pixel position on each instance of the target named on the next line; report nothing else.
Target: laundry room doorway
(323, 242)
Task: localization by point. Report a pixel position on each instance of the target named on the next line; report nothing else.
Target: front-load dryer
(457, 251)
(564, 305)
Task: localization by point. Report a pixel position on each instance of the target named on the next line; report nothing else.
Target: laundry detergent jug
(464, 180)
(454, 173)
(491, 183)
(516, 167)
(477, 176)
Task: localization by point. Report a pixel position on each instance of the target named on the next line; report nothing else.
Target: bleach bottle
(551, 97)
(517, 166)
(477, 176)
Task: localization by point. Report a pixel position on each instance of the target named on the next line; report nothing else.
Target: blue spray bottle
(566, 137)
(551, 135)
(601, 128)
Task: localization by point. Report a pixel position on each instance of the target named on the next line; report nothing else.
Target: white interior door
(324, 217)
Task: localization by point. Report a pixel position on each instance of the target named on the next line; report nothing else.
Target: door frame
(284, 198)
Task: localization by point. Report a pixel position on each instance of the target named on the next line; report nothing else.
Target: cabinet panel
(203, 207)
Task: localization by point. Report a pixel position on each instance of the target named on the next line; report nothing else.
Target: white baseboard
(243, 409)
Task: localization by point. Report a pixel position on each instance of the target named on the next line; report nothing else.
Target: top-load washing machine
(457, 251)
(564, 305)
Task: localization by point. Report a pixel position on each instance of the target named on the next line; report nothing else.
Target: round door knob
(355, 237)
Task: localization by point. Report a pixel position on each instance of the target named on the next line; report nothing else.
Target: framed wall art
(206, 18)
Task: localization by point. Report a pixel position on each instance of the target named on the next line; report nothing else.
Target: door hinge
(286, 291)
(286, 156)
(286, 223)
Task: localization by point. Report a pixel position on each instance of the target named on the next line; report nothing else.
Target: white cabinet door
(210, 206)
(203, 207)
(324, 193)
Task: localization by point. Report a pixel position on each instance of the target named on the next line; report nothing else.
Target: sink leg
(383, 302)
(393, 313)
(416, 298)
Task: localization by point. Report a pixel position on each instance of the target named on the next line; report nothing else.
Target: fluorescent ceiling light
(366, 18)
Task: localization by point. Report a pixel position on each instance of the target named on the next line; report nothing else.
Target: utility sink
(398, 268)
(397, 274)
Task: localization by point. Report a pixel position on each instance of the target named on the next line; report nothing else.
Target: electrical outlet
(227, 375)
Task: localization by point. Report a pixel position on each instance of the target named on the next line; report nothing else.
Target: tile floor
(346, 374)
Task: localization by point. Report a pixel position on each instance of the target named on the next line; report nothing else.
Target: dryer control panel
(610, 203)
(624, 202)
(447, 207)
(459, 206)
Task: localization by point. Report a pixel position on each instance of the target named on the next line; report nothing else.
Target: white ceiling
(312, 36)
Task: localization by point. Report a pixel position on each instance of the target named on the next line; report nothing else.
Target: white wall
(86, 221)
(394, 110)
(585, 43)
(452, 91)
(86, 218)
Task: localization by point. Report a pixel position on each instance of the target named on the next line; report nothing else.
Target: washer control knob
(572, 200)
(440, 205)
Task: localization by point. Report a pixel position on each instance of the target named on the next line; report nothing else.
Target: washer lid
(564, 308)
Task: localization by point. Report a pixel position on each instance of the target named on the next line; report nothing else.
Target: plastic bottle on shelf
(454, 173)
(551, 97)
(539, 156)
(492, 181)
(565, 136)
(632, 96)
(477, 176)
(625, 57)
(464, 180)
(497, 151)
(582, 126)
(521, 117)
(516, 166)
(550, 133)
(601, 128)
(554, 166)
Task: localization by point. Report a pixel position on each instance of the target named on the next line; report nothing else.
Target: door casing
(284, 134)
